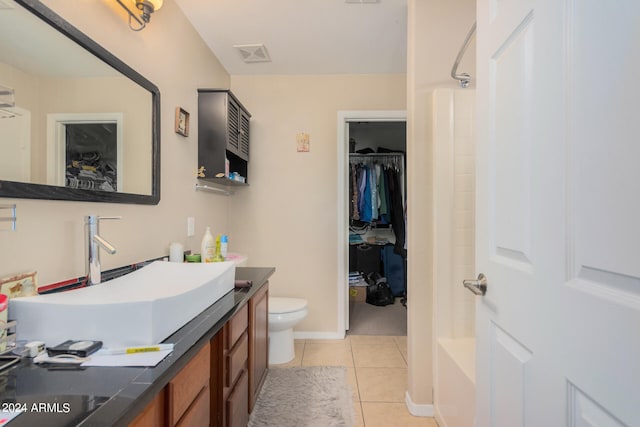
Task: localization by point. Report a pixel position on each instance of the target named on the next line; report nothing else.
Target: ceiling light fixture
(145, 7)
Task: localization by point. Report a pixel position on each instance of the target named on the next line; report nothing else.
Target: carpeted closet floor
(367, 319)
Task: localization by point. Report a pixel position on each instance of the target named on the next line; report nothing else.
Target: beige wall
(287, 218)
(50, 237)
(108, 95)
(436, 30)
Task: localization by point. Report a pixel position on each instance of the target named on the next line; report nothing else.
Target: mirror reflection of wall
(15, 144)
(42, 96)
(52, 75)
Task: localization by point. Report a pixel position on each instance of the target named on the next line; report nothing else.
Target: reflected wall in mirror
(78, 123)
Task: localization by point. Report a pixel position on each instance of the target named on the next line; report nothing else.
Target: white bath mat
(304, 397)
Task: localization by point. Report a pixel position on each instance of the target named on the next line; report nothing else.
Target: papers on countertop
(134, 356)
(149, 358)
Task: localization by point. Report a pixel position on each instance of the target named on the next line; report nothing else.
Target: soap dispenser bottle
(208, 249)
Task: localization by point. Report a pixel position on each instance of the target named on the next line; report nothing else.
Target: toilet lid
(279, 305)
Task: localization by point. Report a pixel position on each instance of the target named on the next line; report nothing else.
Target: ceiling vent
(253, 53)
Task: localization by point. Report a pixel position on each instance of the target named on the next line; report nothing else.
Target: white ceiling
(304, 36)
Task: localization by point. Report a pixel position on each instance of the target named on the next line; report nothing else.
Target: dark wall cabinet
(223, 135)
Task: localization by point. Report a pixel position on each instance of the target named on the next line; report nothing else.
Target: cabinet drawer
(236, 326)
(198, 414)
(188, 383)
(238, 403)
(152, 414)
(237, 359)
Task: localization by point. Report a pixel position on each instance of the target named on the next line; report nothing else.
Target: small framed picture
(21, 285)
(182, 122)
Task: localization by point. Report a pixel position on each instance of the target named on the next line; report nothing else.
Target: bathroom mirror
(76, 123)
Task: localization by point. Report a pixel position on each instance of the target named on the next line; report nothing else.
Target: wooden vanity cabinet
(258, 342)
(230, 352)
(188, 392)
(220, 384)
(153, 415)
(184, 402)
(240, 373)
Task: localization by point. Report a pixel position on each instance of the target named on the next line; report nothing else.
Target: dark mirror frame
(22, 190)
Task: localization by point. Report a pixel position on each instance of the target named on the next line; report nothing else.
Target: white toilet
(284, 314)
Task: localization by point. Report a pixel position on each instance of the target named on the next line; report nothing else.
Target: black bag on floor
(378, 290)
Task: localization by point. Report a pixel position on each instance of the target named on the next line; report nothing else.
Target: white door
(558, 213)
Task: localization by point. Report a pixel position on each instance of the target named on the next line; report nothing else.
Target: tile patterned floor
(377, 371)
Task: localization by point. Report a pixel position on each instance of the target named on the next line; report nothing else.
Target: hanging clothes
(354, 213)
(397, 214)
(383, 207)
(372, 173)
(377, 192)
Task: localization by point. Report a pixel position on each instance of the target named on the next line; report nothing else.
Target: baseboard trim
(302, 335)
(418, 410)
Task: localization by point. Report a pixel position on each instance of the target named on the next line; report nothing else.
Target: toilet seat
(282, 305)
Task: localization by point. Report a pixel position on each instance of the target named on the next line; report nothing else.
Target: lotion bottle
(208, 248)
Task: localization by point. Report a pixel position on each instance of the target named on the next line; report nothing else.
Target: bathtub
(455, 394)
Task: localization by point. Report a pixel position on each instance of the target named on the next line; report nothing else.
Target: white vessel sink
(140, 308)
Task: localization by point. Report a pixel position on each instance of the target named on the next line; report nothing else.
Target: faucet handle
(93, 219)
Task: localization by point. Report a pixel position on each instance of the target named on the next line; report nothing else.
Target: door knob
(478, 287)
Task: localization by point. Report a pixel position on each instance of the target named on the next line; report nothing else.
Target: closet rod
(395, 159)
(375, 154)
(358, 156)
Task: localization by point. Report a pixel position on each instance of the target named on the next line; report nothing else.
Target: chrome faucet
(94, 242)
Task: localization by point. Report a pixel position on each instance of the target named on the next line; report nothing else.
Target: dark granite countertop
(113, 396)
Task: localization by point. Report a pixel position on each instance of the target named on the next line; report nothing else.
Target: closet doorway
(371, 146)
